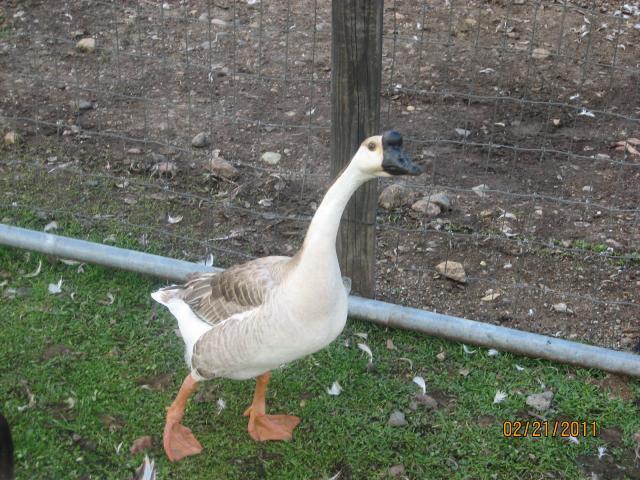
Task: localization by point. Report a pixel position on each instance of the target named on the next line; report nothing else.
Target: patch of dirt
(541, 88)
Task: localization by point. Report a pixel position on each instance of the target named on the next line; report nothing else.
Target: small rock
(426, 401)
(272, 158)
(218, 22)
(393, 196)
(200, 140)
(561, 308)
(426, 207)
(221, 168)
(613, 244)
(397, 471)
(540, 53)
(396, 419)
(490, 297)
(86, 45)
(441, 199)
(453, 270)
(540, 401)
(85, 105)
(11, 138)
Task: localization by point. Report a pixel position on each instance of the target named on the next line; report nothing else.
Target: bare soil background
(524, 98)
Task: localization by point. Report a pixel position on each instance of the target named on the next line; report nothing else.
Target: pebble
(200, 140)
(441, 199)
(85, 105)
(394, 196)
(480, 190)
(540, 401)
(272, 158)
(453, 270)
(221, 168)
(540, 53)
(396, 419)
(426, 207)
(397, 471)
(86, 45)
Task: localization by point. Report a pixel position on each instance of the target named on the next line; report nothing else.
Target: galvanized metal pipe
(382, 313)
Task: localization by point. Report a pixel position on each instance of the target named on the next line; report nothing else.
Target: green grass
(99, 355)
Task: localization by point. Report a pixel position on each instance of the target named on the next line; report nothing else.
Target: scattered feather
(119, 447)
(602, 451)
(586, 113)
(80, 268)
(499, 397)
(207, 262)
(66, 261)
(55, 288)
(362, 335)
(519, 368)
(109, 301)
(109, 238)
(146, 471)
(408, 360)
(51, 226)
(365, 348)
(335, 389)
(222, 404)
(493, 352)
(71, 402)
(421, 383)
(337, 475)
(36, 272)
(176, 219)
(467, 350)
(573, 440)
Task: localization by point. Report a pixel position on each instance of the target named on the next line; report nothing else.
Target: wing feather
(215, 297)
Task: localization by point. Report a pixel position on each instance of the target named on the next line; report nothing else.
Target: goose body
(254, 317)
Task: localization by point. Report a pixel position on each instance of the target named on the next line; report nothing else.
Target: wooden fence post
(356, 79)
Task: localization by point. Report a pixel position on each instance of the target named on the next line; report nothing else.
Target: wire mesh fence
(202, 128)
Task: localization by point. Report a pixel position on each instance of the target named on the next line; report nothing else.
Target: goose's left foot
(177, 439)
(264, 427)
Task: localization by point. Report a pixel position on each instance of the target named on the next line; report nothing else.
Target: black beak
(395, 160)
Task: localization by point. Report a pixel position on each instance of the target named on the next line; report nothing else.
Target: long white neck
(323, 229)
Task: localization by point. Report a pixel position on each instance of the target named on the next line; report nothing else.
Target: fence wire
(525, 114)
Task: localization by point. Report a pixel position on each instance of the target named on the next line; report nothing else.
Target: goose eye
(371, 146)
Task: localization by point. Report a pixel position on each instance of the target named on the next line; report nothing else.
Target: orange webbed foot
(179, 442)
(271, 427)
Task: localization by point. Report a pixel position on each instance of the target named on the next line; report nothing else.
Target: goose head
(383, 156)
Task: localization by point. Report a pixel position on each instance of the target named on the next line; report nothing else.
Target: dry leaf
(141, 444)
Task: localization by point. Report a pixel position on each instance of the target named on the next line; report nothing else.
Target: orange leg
(178, 440)
(267, 427)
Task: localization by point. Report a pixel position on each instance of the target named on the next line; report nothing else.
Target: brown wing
(216, 296)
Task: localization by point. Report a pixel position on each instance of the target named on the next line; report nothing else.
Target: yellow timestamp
(549, 428)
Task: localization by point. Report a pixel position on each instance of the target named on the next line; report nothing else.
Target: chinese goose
(254, 317)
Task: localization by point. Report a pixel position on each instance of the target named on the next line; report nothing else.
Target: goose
(252, 318)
